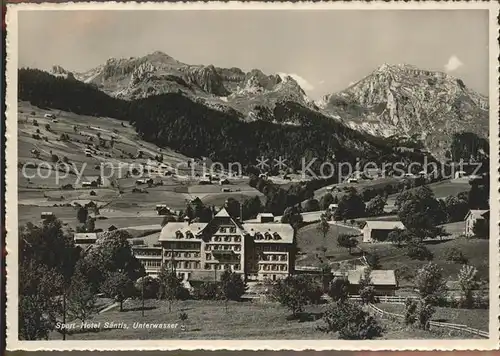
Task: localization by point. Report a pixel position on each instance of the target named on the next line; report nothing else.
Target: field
(122, 201)
(475, 318)
(310, 239)
(210, 320)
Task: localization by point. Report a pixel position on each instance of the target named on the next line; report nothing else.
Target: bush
(35, 123)
(350, 321)
(207, 291)
(54, 158)
(47, 127)
(419, 252)
(455, 255)
(339, 289)
(93, 193)
(373, 260)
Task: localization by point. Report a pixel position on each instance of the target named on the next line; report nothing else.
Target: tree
(418, 313)
(456, 255)
(339, 289)
(47, 127)
(118, 286)
(420, 212)
(293, 292)
(207, 291)
(351, 205)
(232, 286)
(373, 260)
(112, 252)
(376, 206)
(251, 207)
(311, 205)
(467, 279)
(170, 286)
(347, 241)
(350, 321)
(81, 298)
(293, 217)
(323, 227)
(82, 215)
(233, 207)
(150, 289)
(325, 201)
(90, 224)
(54, 158)
(366, 289)
(429, 283)
(418, 251)
(399, 237)
(456, 208)
(481, 228)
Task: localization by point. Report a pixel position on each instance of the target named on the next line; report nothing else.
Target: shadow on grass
(305, 316)
(137, 309)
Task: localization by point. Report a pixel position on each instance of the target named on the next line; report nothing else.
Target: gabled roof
(170, 229)
(284, 231)
(477, 214)
(222, 214)
(85, 236)
(384, 225)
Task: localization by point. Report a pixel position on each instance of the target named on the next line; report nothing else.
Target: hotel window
(167, 254)
(187, 254)
(274, 258)
(217, 238)
(283, 257)
(266, 267)
(274, 267)
(237, 238)
(178, 254)
(236, 266)
(196, 254)
(207, 266)
(227, 238)
(207, 247)
(187, 265)
(266, 248)
(222, 229)
(237, 248)
(208, 256)
(232, 229)
(285, 268)
(197, 265)
(178, 265)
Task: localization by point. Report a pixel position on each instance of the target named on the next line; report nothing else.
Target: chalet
(383, 281)
(265, 217)
(87, 184)
(205, 181)
(86, 238)
(224, 181)
(352, 180)
(378, 231)
(46, 214)
(49, 116)
(472, 217)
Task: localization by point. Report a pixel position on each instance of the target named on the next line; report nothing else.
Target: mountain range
(397, 101)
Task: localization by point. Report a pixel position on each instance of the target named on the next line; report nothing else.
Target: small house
(224, 181)
(49, 116)
(265, 217)
(383, 281)
(87, 184)
(85, 238)
(46, 214)
(352, 180)
(472, 217)
(378, 231)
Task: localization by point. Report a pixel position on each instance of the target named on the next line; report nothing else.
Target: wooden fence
(432, 324)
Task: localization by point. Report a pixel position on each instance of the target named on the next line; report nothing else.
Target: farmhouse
(384, 281)
(46, 214)
(472, 217)
(85, 238)
(202, 251)
(265, 217)
(379, 230)
(87, 184)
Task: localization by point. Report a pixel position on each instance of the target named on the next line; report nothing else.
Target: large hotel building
(258, 250)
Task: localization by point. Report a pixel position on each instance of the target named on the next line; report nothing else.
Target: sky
(325, 51)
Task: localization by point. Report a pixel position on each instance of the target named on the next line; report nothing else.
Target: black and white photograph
(245, 176)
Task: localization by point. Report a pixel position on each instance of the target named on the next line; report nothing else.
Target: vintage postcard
(252, 176)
